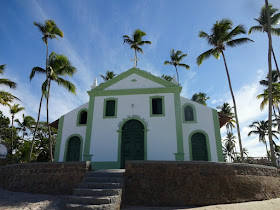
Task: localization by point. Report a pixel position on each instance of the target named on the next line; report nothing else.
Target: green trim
(105, 165)
(66, 146)
(179, 131)
(104, 107)
(95, 92)
(151, 107)
(58, 139)
(194, 113)
(87, 156)
(79, 117)
(138, 72)
(120, 137)
(207, 143)
(218, 136)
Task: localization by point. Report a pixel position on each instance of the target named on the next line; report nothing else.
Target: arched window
(189, 113)
(83, 117)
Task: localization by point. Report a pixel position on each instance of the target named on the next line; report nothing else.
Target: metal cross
(135, 61)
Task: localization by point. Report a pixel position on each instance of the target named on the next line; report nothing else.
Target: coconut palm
(222, 36)
(230, 145)
(27, 124)
(226, 109)
(136, 42)
(14, 109)
(245, 152)
(109, 75)
(275, 79)
(200, 98)
(176, 58)
(6, 97)
(49, 30)
(167, 77)
(262, 26)
(261, 129)
(59, 65)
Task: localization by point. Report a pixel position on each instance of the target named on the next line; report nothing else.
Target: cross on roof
(135, 61)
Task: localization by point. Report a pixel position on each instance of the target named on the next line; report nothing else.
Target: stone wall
(46, 178)
(155, 183)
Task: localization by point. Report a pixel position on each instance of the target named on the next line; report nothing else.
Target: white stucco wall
(127, 83)
(204, 122)
(69, 128)
(161, 137)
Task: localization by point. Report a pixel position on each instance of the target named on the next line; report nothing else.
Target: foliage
(49, 30)
(226, 109)
(109, 75)
(176, 58)
(200, 98)
(5, 97)
(167, 78)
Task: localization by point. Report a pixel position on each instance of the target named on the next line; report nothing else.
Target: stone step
(99, 185)
(97, 192)
(103, 173)
(95, 207)
(103, 179)
(93, 200)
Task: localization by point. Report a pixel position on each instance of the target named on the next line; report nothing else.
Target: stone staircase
(100, 189)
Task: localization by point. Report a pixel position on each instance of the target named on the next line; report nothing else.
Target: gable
(134, 81)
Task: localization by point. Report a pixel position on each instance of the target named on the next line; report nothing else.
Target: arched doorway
(73, 149)
(132, 141)
(199, 147)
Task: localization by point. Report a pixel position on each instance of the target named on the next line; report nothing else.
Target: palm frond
(7, 82)
(184, 65)
(144, 42)
(235, 42)
(275, 31)
(36, 70)
(2, 68)
(207, 54)
(168, 62)
(67, 84)
(240, 29)
(255, 29)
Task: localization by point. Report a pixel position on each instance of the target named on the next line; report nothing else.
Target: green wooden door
(132, 146)
(73, 149)
(199, 147)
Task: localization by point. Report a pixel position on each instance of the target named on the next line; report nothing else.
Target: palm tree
(167, 77)
(200, 98)
(230, 145)
(245, 152)
(223, 35)
(27, 123)
(226, 109)
(109, 75)
(262, 26)
(49, 30)
(59, 65)
(136, 42)
(14, 109)
(176, 58)
(6, 97)
(261, 129)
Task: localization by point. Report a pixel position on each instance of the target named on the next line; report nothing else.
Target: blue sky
(93, 42)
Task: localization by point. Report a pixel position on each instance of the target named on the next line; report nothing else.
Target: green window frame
(154, 105)
(79, 115)
(188, 106)
(110, 108)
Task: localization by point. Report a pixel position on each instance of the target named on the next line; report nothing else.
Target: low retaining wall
(46, 178)
(156, 183)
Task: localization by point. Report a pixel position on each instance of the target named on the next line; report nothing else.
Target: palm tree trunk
(273, 159)
(49, 128)
(135, 58)
(278, 123)
(177, 75)
(235, 110)
(266, 149)
(278, 72)
(12, 143)
(36, 128)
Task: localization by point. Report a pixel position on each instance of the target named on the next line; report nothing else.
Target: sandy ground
(23, 201)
